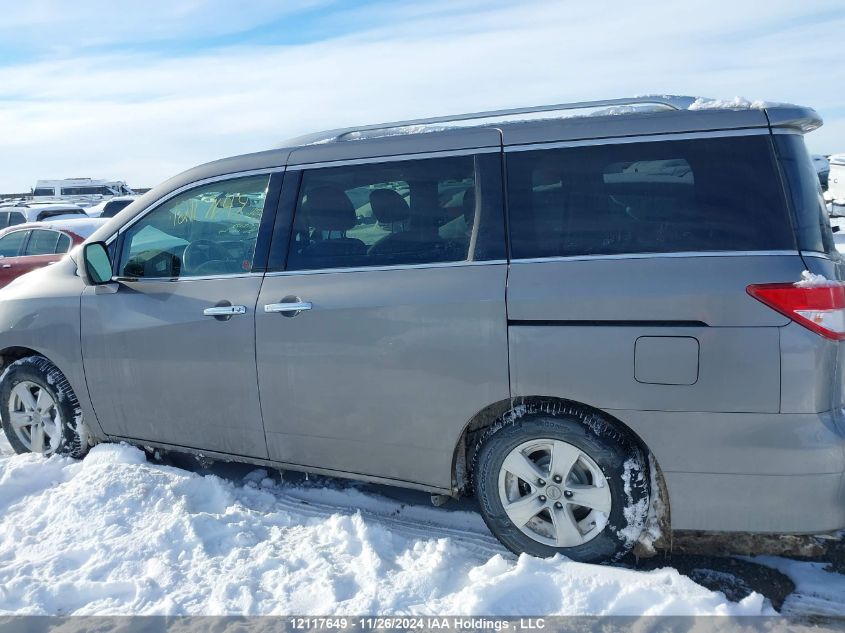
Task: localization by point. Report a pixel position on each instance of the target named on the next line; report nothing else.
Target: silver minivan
(602, 319)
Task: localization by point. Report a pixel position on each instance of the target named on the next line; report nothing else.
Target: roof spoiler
(792, 116)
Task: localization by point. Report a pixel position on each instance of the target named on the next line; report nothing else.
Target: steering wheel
(205, 257)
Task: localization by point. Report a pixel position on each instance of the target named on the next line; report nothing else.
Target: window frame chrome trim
(641, 138)
(672, 255)
(133, 280)
(358, 269)
(488, 149)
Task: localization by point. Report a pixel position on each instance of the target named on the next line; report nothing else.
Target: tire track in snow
(485, 546)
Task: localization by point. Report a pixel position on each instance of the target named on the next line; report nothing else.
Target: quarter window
(63, 245)
(655, 197)
(16, 217)
(396, 213)
(210, 230)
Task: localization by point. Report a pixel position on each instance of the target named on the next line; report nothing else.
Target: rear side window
(10, 245)
(398, 213)
(812, 225)
(717, 194)
(41, 243)
(4, 219)
(44, 191)
(15, 217)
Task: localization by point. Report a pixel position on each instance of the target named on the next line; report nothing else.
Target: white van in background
(85, 191)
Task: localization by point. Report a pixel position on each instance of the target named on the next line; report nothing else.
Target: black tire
(37, 369)
(621, 461)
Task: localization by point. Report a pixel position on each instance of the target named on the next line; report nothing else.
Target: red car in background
(25, 247)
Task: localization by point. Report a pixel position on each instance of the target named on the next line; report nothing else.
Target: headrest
(389, 206)
(328, 208)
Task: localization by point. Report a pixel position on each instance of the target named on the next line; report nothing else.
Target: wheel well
(501, 412)
(475, 429)
(11, 354)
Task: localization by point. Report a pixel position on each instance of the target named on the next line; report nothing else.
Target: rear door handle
(219, 311)
(7, 265)
(290, 308)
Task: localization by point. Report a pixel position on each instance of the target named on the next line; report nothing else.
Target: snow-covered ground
(116, 534)
(817, 591)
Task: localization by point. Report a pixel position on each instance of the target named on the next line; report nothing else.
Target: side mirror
(96, 263)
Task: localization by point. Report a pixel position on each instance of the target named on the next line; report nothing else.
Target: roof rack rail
(670, 102)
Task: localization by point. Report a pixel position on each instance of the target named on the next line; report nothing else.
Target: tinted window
(15, 217)
(656, 197)
(44, 191)
(407, 212)
(811, 219)
(210, 230)
(10, 244)
(52, 213)
(42, 243)
(4, 219)
(63, 245)
(86, 191)
(112, 208)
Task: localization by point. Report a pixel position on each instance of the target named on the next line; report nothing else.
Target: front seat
(328, 213)
(417, 244)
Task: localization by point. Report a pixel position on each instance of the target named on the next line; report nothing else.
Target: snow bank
(114, 534)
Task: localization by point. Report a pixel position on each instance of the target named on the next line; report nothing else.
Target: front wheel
(549, 485)
(39, 410)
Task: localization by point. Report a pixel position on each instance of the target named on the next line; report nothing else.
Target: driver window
(210, 230)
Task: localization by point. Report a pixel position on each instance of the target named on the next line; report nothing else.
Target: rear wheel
(549, 485)
(39, 410)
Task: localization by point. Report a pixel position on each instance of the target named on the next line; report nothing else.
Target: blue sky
(140, 91)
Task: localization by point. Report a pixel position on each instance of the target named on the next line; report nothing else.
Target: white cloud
(143, 117)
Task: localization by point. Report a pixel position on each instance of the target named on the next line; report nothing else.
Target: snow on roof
(737, 103)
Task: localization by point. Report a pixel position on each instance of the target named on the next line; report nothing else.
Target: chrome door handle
(7, 265)
(295, 306)
(218, 311)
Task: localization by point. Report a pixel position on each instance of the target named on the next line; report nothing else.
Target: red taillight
(818, 308)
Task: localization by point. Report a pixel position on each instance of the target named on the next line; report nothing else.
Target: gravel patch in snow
(114, 534)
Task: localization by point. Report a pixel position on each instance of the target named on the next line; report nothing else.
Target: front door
(387, 331)
(169, 350)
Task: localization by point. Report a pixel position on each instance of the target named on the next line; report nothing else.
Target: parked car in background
(836, 179)
(39, 212)
(595, 324)
(110, 208)
(822, 166)
(25, 247)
